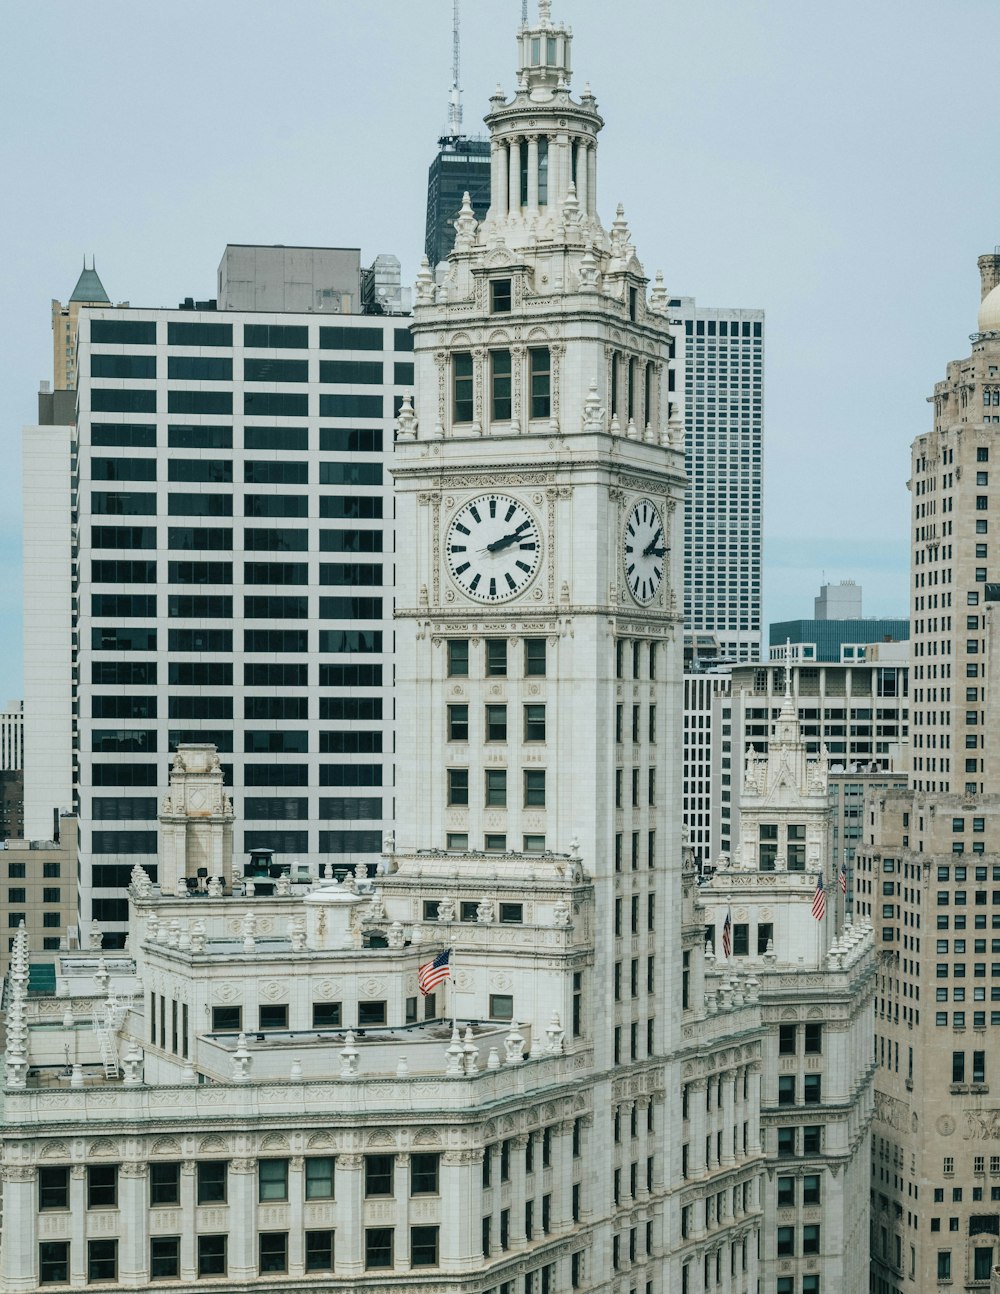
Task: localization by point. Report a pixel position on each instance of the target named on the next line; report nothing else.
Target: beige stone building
(928, 874)
(89, 291)
(39, 889)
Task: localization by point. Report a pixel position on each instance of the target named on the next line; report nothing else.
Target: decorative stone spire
(16, 1055)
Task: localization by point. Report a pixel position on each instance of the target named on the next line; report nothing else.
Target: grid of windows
(209, 472)
(724, 361)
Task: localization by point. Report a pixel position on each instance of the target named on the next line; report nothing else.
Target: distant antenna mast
(455, 99)
(524, 13)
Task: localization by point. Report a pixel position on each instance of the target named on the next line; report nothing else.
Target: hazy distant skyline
(831, 166)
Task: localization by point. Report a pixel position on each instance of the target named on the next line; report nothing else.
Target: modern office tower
(12, 736)
(232, 560)
(724, 438)
(89, 291)
(930, 869)
(12, 770)
(707, 784)
(39, 880)
(462, 165)
(539, 1136)
(838, 601)
(772, 926)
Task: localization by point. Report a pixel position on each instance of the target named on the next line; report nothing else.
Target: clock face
(493, 548)
(644, 551)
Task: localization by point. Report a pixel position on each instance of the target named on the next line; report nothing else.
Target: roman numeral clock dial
(644, 551)
(493, 547)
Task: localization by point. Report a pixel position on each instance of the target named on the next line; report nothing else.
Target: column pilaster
(242, 1219)
(19, 1256)
(189, 1256)
(296, 1213)
(350, 1207)
(532, 175)
(515, 176)
(77, 1224)
(133, 1245)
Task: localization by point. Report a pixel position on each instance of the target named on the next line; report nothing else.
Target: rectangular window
(276, 370)
(102, 1261)
(458, 722)
(500, 296)
(496, 787)
(53, 1188)
(164, 1257)
(272, 1251)
(319, 1251)
(534, 723)
(534, 788)
(458, 657)
(164, 1185)
(540, 367)
(424, 1174)
(272, 1177)
(212, 1255)
(276, 336)
(496, 657)
(211, 1181)
(496, 723)
(463, 405)
(378, 1248)
(378, 1175)
(102, 1186)
(500, 386)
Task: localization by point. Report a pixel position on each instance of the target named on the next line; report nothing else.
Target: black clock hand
(505, 542)
(650, 548)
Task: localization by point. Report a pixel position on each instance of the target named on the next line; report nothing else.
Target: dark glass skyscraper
(461, 164)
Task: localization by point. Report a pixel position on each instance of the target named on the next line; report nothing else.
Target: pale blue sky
(835, 165)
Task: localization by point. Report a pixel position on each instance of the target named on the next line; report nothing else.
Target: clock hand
(650, 548)
(505, 542)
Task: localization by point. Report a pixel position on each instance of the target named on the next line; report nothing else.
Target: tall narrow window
(615, 361)
(541, 382)
(462, 402)
(543, 171)
(500, 386)
(647, 410)
(631, 387)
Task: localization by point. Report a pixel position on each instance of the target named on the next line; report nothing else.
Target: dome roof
(989, 311)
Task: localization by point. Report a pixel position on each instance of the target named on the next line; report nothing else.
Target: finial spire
(544, 12)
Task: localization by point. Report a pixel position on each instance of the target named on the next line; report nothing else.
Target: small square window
(327, 1015)
(511, 913)
(501, 1006)
(371, 1014)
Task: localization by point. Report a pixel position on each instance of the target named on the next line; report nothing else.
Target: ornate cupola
(544, 154)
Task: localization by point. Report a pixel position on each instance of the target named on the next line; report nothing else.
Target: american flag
(430, 975)
(727, 934)
(819, 899)
(843, 877)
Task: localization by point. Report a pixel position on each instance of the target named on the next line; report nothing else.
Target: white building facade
(724, 443)
(232, 550)
(265, 1097)
(814, 974)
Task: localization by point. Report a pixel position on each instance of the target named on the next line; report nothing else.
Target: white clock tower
(539, 478)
